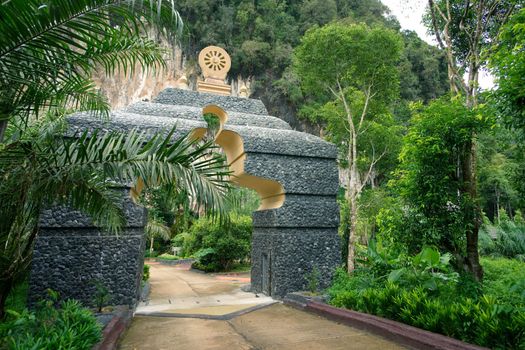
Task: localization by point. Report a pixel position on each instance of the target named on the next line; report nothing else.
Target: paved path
(190, 310)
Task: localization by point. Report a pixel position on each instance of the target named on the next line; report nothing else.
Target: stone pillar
(289, 242)
(71, 255)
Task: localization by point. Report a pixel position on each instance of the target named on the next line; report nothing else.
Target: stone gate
(294, 230)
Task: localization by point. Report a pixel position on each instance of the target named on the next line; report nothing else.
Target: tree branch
(372, 164)
(368, 97)
(347, 108)
(432, 7)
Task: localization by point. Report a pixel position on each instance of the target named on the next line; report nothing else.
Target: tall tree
(463, 29)
(356, 68)
(507, 63)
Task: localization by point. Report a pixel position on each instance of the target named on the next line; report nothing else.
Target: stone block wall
(72, 255)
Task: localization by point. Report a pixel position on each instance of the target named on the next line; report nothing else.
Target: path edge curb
(114, 330)
(175, 262)
(400, 333)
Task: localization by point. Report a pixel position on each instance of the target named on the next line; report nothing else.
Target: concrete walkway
(190, 310)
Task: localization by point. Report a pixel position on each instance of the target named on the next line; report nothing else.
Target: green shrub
(206, 260)
(145, 273)
(167, 256)
(178, 240)
(428, 269)
(16, 300)
(426, 293)
(485, 321)
(504, 279)
(217, 246)
(148, 254)
(68, 326)
(102, 296)
(313, 280)
(509, 238)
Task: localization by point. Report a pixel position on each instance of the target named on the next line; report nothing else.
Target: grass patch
(167, 256)
(241, 267)
(237, 267)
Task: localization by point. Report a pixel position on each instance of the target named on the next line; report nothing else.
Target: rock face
(289, 242)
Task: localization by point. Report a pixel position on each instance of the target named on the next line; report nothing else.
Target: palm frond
(157, 160)
(156, 228)
(117, 51)
(48, 51)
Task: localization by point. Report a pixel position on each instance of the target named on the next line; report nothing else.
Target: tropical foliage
(47, 56)
(355, 67)
(217, 246)
(427, 293)
(507, 62)
(53, 325)
(49, 51)
(47, 169)
(429, 181)
(504, 238)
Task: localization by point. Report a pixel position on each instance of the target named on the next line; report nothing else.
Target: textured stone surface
(300, 211)
(298, 175)
(286, 142)
(72, 261)
(255, 139)
(124, 122)
(57, 217)
(197, 99)
(195, 113)
(71, 254)
(292, 254)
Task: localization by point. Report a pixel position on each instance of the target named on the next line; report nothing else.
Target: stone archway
(295, 229)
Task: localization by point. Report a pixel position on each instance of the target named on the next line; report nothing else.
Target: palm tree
(48, 52)
(156, 228)
(50, 49)
(43, 169)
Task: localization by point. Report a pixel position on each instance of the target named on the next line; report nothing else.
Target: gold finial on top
(215, 64)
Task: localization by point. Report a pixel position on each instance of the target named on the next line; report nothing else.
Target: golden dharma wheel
(214, 62)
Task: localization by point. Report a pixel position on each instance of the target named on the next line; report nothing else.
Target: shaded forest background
(261, 36)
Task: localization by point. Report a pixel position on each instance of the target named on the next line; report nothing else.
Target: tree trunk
(497, 207)
(352, 234)
(473, 263)
(351, 196)
(151, 246)
(474, 215)
(3, 127)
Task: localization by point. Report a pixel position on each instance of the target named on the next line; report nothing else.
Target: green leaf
(396, 275)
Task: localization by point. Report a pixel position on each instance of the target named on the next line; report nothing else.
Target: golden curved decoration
(271, 192)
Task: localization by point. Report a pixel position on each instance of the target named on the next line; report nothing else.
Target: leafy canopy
(507, 63)
(430, 181)
(352, 56)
